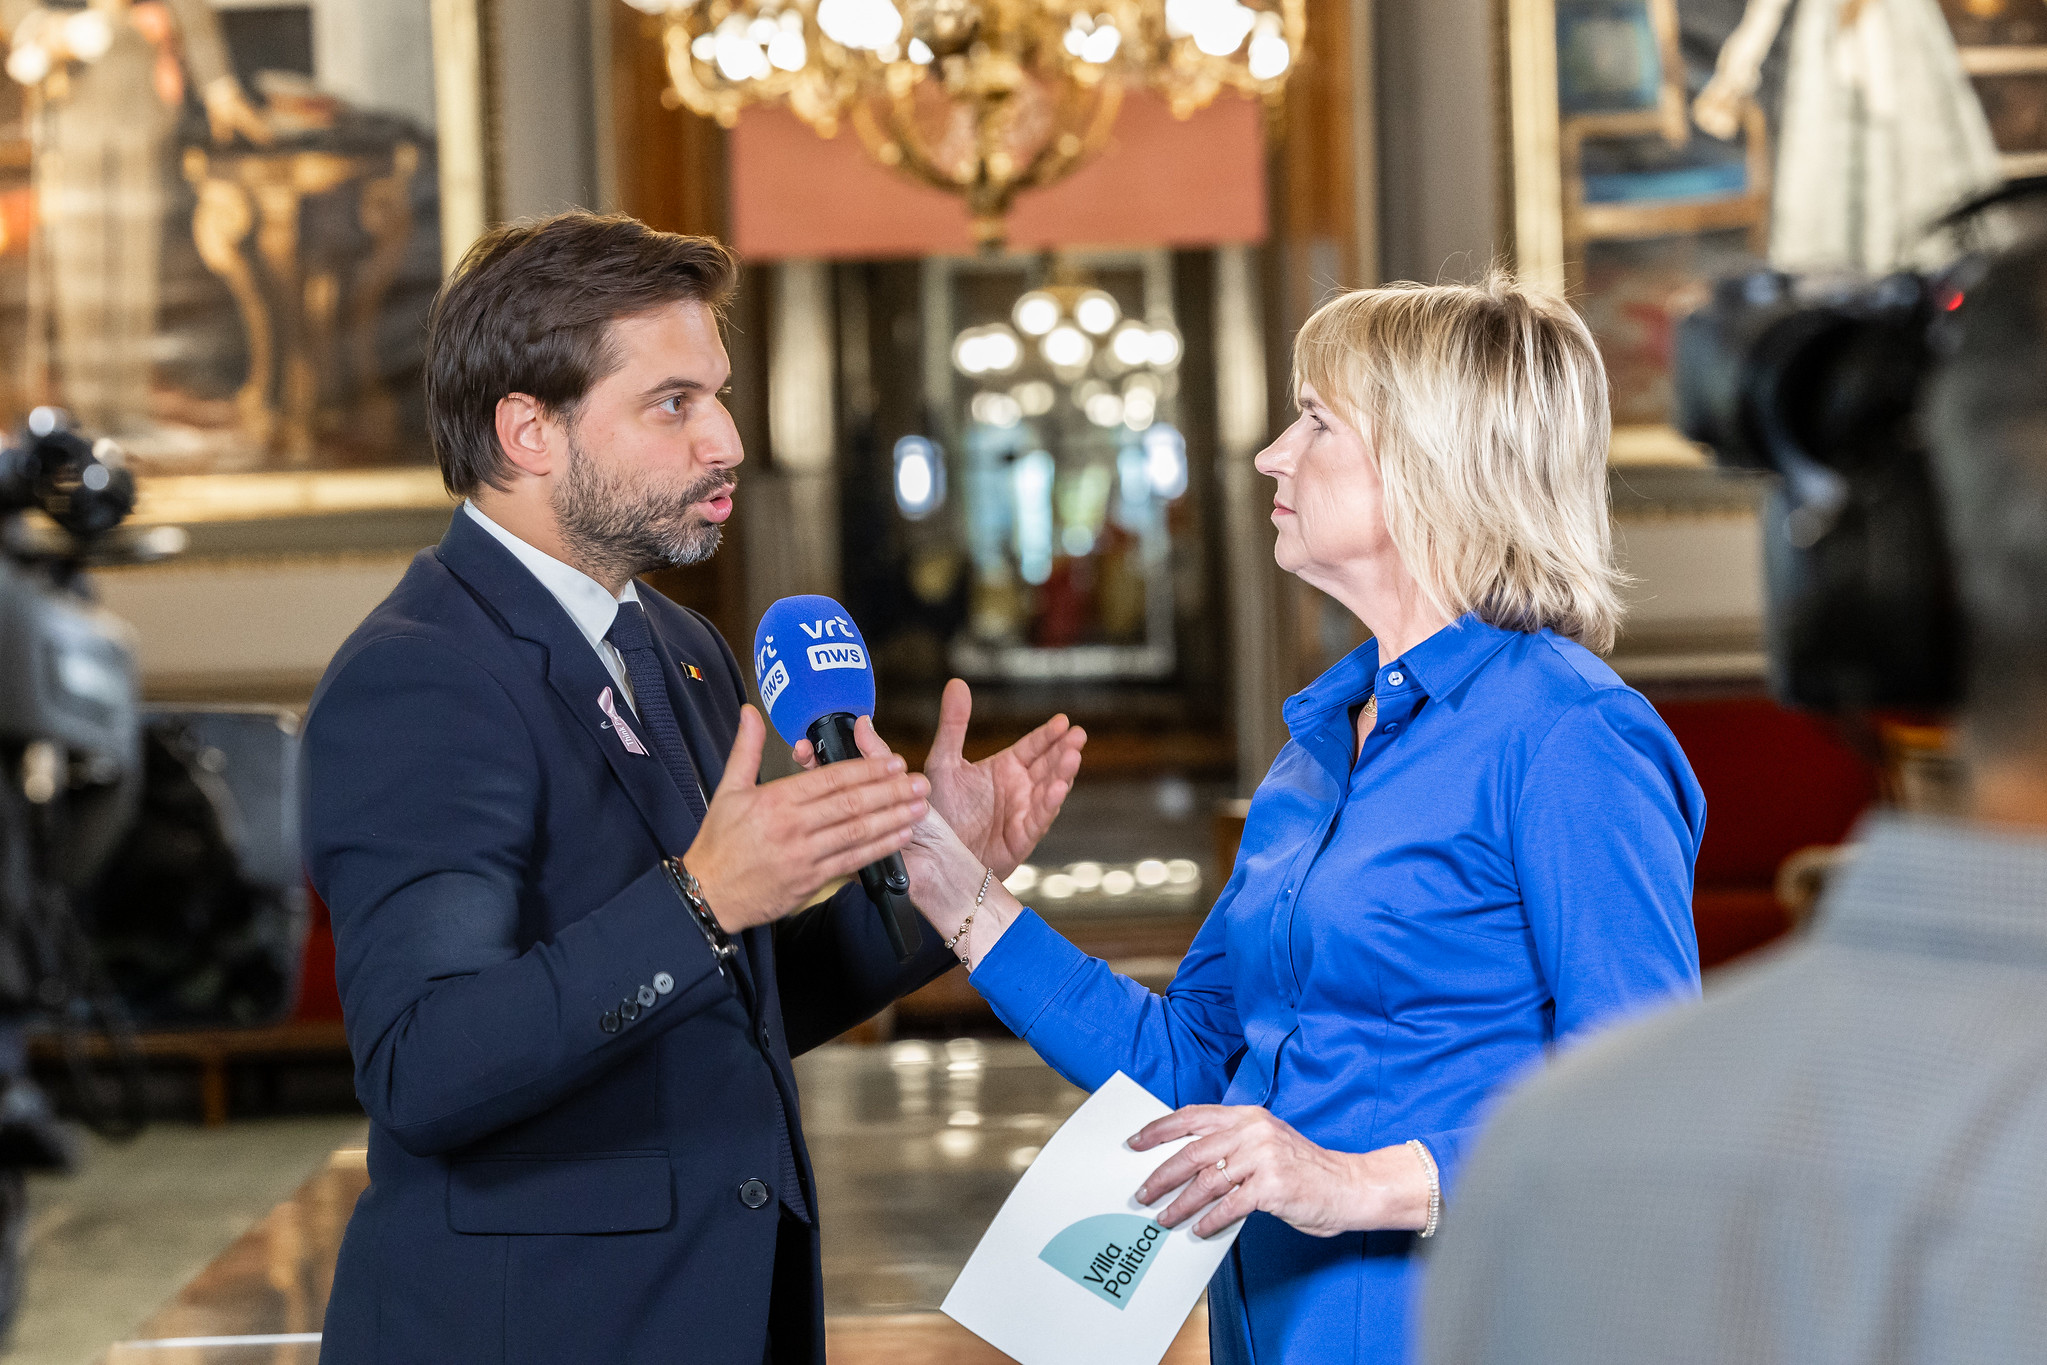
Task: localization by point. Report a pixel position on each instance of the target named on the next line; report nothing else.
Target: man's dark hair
(529, 310)
(1988, 429)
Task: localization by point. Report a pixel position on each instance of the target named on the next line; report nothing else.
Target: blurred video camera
(1819, 381)
(69, 698)
(70, 759)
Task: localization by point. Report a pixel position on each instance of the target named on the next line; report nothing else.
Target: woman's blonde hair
(1485, 406)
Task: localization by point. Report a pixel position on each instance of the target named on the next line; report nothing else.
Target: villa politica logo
(1107, 1255)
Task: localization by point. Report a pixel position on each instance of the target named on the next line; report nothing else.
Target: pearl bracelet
(1428, 1160)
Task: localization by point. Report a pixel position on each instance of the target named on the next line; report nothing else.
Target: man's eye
(674, 406)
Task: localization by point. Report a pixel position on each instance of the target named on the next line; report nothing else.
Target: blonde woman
(1478, 843)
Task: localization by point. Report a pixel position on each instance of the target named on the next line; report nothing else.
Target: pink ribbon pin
(625, 732)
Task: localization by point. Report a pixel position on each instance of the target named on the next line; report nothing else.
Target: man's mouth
(718, 506)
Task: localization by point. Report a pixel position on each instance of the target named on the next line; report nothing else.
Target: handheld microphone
(815, 680)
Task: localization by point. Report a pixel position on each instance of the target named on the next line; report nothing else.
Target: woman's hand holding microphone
(951, 885)
(984, 819)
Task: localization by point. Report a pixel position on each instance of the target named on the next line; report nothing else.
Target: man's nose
(721, 448)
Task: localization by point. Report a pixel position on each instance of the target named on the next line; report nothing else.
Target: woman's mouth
(1280, 509)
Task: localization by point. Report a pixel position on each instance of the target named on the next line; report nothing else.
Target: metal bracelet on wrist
(952, 944)
(1428, 1160)
(692, 896)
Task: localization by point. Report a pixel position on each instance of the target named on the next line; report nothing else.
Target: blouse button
(1395, 679)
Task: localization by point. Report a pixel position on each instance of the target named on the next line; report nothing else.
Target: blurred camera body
(1819, 382)
(70, 723)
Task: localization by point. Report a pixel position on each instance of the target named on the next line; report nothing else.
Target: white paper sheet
(1075, 1271)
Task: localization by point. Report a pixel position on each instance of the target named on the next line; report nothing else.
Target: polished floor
(108, 1246)
(916, 1145)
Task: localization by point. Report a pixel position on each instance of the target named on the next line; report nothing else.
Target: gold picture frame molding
(189, 499)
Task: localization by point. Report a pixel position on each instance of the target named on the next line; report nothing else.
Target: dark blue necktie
(631, 636)
(634, 640)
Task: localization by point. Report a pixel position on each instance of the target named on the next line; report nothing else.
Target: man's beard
(619, 529)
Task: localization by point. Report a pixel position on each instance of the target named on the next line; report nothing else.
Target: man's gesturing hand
(764, 850)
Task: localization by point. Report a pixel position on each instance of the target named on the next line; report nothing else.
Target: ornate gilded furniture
(311, 324)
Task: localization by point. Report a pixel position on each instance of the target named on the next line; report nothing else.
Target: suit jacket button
(663, 983)
(754, 1194)
(608, 1021)
(647, 996)
(628, 1010)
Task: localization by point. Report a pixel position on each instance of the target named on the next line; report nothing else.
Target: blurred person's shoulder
(1865, 1106)
(1659, 1084)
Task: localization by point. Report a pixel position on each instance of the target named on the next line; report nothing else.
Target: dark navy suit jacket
(542, 1189)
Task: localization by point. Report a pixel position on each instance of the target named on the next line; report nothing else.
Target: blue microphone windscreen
(809, 661)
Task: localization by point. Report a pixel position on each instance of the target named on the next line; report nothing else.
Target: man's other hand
(764, 850)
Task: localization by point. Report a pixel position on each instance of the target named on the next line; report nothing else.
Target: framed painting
(1620, 200)
(222, 254)
(2003, 45)
(1645, 135)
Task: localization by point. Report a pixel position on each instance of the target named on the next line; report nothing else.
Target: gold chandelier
(980, 98)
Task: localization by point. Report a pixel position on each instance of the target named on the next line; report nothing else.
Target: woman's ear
(523, 430)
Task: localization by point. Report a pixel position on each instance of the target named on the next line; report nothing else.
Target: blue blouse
(1507, 865)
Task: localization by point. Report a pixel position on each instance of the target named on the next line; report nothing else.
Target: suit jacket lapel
(686, 699)
(531, 613)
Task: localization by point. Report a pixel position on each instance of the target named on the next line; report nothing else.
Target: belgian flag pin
(691, 670)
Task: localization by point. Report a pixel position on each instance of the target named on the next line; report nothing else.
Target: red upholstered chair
(1776, 781)
(319, 997)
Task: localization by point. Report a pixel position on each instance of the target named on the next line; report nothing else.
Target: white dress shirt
(585, 600)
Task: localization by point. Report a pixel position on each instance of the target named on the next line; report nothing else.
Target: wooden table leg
(213, 1090)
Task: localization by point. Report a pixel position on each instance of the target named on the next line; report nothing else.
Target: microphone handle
(887, 882)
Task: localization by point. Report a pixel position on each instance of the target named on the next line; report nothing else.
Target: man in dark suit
(562, 903)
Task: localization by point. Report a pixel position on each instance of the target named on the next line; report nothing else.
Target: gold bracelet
(952, 944)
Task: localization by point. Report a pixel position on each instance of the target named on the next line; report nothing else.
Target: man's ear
(524, 434)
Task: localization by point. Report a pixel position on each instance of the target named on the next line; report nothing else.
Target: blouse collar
(1436, 667)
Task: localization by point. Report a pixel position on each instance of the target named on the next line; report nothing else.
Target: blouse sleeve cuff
(1020, 976)
(1448, 1148)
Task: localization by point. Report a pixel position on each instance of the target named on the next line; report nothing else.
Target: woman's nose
(1274, 460)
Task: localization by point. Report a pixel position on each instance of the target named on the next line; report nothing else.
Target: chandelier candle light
(980, 98)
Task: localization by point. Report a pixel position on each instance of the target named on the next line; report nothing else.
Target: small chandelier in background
(1114, 368)
(981, 98)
